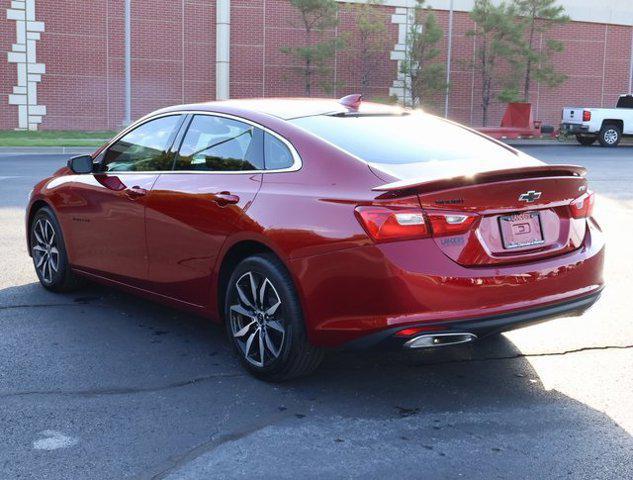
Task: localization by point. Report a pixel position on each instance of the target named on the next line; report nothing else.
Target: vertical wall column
(404, 18)
(223, 49)
(23, 54)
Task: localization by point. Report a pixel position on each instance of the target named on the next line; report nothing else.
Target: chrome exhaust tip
(433, 340)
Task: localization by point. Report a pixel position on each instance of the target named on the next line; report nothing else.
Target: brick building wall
(596, 61)
(82, 47)
(259, 28)
(174, 53)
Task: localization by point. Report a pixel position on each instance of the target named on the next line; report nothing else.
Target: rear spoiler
(426, 184)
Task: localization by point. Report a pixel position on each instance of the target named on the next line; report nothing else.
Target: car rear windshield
(404, 139)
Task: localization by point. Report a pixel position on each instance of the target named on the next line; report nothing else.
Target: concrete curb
(542, 142)
(46, 150)
(537, 143)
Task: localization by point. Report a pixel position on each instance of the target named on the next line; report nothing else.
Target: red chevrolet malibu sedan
(304, 224)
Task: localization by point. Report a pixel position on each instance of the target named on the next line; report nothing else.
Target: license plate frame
(521, 224)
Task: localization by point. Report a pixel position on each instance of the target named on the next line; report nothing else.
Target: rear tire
(264, 321)
(49, 253)
(586, 140)
(610, 135)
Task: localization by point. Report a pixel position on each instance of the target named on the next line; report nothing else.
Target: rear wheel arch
(613, 122)
(233, 256)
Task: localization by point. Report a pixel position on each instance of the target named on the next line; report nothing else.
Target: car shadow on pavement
(479, 409)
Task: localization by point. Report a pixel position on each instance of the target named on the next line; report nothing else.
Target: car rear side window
(276, 153)
(218, 144)
(144, 149)
(625, 101)
(404, 139)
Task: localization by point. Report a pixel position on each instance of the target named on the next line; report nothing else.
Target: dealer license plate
(521, 230)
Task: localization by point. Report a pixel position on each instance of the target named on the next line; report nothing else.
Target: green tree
(497, 35)
(317, 16)
(423, 75)
(538, 17)
(370, 44)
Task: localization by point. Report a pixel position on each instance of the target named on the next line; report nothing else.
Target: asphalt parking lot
(102, 385)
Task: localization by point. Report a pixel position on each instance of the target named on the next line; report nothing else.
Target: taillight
(582, 207)
(586, 116)
(387, 223)
(383, 224)
(443, 224)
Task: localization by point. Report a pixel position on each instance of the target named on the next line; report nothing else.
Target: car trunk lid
(523, 214)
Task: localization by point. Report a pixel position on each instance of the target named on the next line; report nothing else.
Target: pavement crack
(187, 457)
(531, 355)
(122, 390)
(51, 305)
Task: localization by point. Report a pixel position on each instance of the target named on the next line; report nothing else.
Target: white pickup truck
(607, 125)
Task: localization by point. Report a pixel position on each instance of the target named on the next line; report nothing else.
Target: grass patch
(53, 138)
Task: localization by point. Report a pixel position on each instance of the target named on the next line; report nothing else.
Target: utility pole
(128, 63)
(631, 66)
(449, 52)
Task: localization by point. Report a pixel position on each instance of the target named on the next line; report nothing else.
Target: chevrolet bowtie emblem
(530, 196)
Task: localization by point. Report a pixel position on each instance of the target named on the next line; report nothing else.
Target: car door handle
(225, 198)
(135, 192)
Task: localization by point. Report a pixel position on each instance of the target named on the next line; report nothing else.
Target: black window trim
(181, 131)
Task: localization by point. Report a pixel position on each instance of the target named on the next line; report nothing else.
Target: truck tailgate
(572, 115)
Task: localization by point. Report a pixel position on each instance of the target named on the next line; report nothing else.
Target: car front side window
(144, 149)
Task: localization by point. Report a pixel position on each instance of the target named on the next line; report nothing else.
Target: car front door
(191, 211)
(107, 211)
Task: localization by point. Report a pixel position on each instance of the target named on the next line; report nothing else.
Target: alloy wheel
(256, 323)
(611, 136)
(45, 249)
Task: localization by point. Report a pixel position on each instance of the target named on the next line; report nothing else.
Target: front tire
(264, 321)
(586, 140)
(49, 253)
(610, 135)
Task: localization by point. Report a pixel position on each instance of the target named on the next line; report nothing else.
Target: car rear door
(106, 210)
(192, 210)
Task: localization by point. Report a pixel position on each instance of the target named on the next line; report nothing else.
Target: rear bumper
(480, 327)
(574, 128)
(361, 293)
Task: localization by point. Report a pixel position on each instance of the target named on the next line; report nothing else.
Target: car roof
(288, 108)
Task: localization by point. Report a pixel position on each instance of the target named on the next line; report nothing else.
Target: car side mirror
(81, 164)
